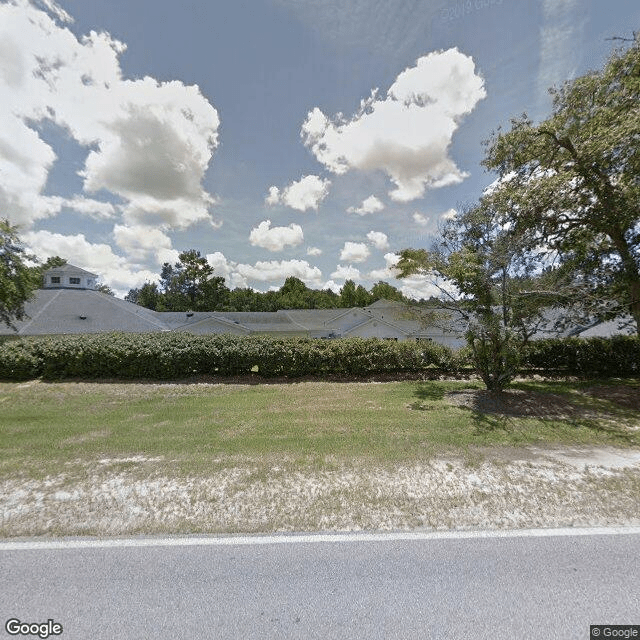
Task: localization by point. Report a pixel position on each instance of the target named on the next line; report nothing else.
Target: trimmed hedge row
(618, 356)
(176, 355)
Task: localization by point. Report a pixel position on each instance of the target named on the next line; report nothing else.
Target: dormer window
(69, 276)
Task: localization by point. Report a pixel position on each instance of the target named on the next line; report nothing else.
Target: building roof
(74, 311)
(60, 311)
(70, 268)
(618, 327)
(321, 319)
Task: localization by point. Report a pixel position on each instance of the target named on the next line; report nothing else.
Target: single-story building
(69, 304)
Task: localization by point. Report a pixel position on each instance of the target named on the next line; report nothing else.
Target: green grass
(45, 428)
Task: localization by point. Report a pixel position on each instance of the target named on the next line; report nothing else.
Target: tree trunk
(631, 273)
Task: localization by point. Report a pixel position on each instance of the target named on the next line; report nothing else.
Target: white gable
(69, 276)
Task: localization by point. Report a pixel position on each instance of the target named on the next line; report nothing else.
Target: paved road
(528, 586)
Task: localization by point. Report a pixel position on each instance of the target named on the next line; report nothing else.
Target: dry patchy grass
(116, 459)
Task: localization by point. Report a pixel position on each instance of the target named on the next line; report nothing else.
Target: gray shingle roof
(313, 319)
(71, 268)
(59, 311)
(620, 326)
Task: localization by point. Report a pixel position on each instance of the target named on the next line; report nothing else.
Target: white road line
(192, 541)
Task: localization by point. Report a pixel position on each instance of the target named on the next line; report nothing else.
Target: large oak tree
(571, 184)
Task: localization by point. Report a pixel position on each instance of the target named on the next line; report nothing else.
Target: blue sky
(313, 138)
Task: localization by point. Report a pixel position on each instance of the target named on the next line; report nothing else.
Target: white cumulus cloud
(306, 193)
(141, 243)
(219, 263)
(417, 287)
(378, 239)
(354, 252)
(276, 238)
(369, 205)
(280, 270)
(90, 207)
(425, 221)
(273, 197)
(147, 142)
(331, 285)
(314, 251)
(240, 274)
(346, 273)
(226, 269)
(389, 270)
(407, 134)
(420, 219)
(56, 10)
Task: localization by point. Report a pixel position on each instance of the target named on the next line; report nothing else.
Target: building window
(74, 280)
(55, 279)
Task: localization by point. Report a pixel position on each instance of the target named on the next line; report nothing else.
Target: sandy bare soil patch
(527, 487)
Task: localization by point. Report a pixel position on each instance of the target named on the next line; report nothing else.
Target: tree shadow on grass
(485, 423)
(622, 396)
(429, 391)
(614, 432)
(493, 411)
(428, 394)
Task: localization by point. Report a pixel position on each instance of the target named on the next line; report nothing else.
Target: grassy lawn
(44, 426)
(126, 459)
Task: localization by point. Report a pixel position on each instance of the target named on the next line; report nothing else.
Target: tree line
(191, 285)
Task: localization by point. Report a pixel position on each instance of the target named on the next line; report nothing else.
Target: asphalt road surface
(527, 585)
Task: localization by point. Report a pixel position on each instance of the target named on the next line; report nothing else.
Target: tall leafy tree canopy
(189, 285)
(486, 284)
(18, 279)
(560, 225)
(571, 184)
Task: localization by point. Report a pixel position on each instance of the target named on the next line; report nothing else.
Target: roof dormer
(69, 277)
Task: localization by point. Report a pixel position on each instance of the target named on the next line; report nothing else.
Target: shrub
(617, 356)
(18, 361)
(180, 355)
(164, 356)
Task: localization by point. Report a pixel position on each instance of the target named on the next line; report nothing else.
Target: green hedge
(177, 355)
(618, 356)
